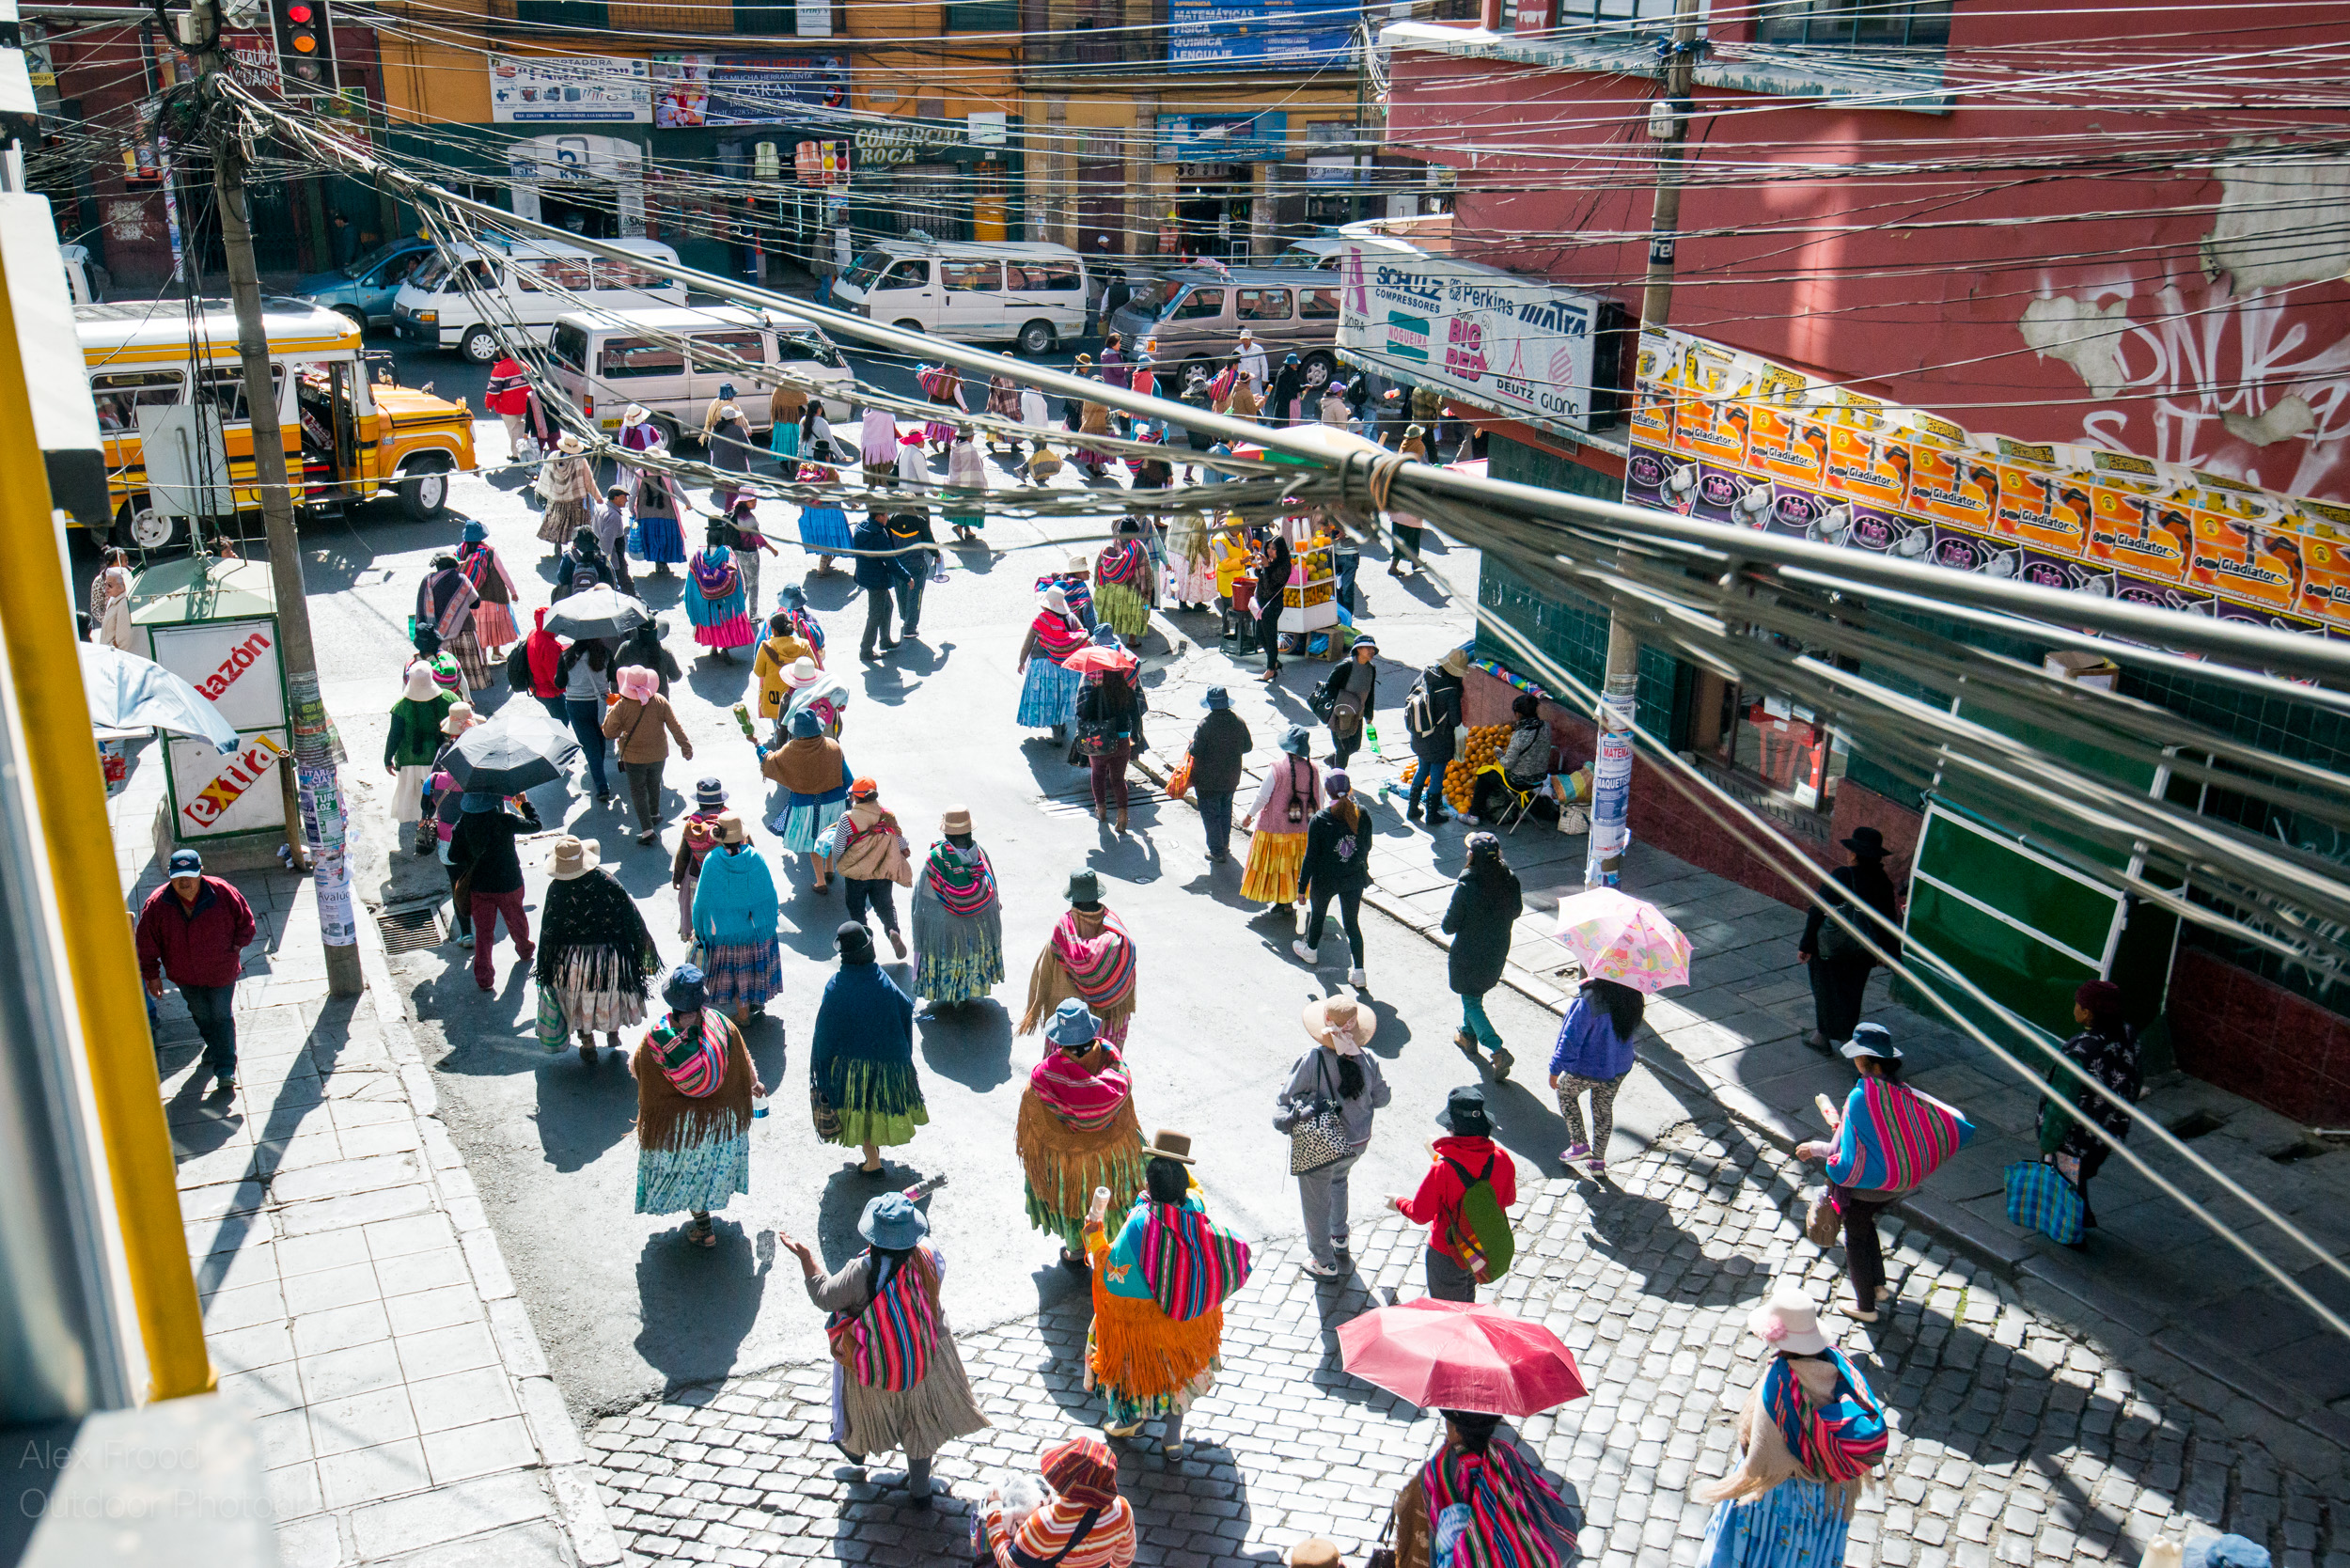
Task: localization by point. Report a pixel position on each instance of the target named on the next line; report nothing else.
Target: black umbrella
(518, 750)
(601, 611)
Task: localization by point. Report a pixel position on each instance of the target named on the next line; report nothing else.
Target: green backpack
(1481, 1231)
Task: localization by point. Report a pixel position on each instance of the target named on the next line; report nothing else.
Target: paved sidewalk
(2015, 1444)
(355, 1303)
(2153, 1278)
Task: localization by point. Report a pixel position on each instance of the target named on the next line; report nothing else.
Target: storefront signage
(1731, 437)
(1259, 35)
(527, 90)
(749, 89)
(1223, 138)
(1513, 344)
(906, 141)
(223, 795)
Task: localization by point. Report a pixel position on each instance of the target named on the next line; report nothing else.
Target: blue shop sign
(1259, 35)
(1223, 138)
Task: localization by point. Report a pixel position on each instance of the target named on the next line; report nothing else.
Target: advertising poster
(1256, 35)
(1514, 344)
(749, 89)
(527, 90)
(219, 795)
(1730, 437)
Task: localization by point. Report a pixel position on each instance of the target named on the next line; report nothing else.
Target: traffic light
(305, 46)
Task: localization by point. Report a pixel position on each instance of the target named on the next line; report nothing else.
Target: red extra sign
(238, 773)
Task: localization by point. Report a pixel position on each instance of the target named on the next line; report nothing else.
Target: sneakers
(1321, 1270)
(464, 939)
(1305, 954)
(1357, 979)
(1574, 1151)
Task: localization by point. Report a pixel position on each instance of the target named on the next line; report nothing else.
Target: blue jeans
(1477, 1025)
(587, 716)
(1428, 778)
(213, 1009)
(1216, 815)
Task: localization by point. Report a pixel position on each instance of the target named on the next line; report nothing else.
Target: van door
(713, 365)
(904, 294)
(1050, 289)
(971, 303)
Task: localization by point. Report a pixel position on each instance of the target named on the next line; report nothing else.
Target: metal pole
(1611, 768)
(320, 792)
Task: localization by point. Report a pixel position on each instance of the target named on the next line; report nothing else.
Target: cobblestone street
(2014, 1444)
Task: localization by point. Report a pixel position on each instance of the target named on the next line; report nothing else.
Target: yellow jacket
(774, 656)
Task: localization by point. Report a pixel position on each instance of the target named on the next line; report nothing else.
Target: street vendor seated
(1525, 767)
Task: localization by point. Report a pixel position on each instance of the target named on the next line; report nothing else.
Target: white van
(603, 362)
(1030, 292)
(532, 282)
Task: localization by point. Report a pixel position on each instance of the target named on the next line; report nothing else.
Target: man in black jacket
(877, 573)
(1837, 966)
(483, 852)
(1217, 749)
(1431, 714)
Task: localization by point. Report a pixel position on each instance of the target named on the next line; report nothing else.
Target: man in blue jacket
(877, 573)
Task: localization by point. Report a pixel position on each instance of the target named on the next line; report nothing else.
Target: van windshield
(1151, 293)
(807, 348)
(867, 268)
(429, 277)
(570, 345)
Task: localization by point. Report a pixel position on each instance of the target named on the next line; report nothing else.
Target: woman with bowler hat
(1840, 965)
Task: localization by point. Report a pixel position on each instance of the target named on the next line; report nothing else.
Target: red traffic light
(298, 14)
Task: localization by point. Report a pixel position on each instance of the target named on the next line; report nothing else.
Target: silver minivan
(1196, 314)
(674, 359)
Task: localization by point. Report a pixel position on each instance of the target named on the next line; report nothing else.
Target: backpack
(1419, 711)
(1480, 1229)
(517, 670)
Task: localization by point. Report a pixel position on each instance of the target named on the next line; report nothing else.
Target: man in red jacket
(192, 930)
(1438, 1204)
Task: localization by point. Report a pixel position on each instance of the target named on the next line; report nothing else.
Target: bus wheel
(423, 487)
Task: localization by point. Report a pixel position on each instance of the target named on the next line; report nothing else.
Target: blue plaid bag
(2040, 1196)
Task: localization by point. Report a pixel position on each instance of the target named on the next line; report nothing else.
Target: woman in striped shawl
(1048, 693)
(1078, 1130)
(958, 918)
(695, 1085)
(1159, 1288)
(1124, 583)
(1090, 956)
(1482, 1492)
(897, 1381)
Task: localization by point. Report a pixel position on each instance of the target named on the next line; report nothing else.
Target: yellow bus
(347, 438)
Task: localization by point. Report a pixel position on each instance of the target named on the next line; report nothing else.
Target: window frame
(1804, 24)
(1288, 296)
(1177, 311)
(606, 370)
(729, 341)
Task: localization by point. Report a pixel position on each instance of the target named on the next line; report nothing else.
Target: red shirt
(1438, 1200)
(203, 946)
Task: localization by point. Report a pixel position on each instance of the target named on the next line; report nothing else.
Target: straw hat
(1081, 566)
(957, 819)
(1454, 663)
(1056, 600)
(421, 685)
(1166, 1145)
(1788, 1322)
(1341, 1022)
(802, 673)
(567, 441)
(460, 719)
(1318, 1552)
(727, 829)
(573, 859)
(634, 413)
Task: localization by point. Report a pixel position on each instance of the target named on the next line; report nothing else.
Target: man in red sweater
(1468, 1154)
(193, 931)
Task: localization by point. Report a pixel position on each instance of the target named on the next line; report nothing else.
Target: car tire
(356, 317)
(423, 487)
(670, 434)
(141, 528)
(907, 326)
(1038, 338)
(480, 346)
(1318, 368)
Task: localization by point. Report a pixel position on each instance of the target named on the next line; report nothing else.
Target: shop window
(749, 345)
(120, 394)
(1764, 736)
(1318, 305)
(1857, 24)
(970, 277)
(627, 357)
(980, 16)
(1199, 305)
(767, 21)
(580, 15)
(1261, 305)
(1609, 15)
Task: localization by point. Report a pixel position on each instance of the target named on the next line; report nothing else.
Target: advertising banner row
(670, 90)
(1731, 437)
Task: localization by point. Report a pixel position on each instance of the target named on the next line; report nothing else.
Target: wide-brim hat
(1789, 1321)
(634, 413)
(1072, 1023)
(1325, 1017)
(710, 791)
(1872, 1039)
(1454, 663)
(1167, 1144)
(475, 532)
(1218, 697)
(1363, 640)
(1084, 887)
(567, 441)
(421, 684)
(892, 1223)
(727, 829)
(686, 990)
(573, 858)
(955, 818)
(460, 718)
(1297, 743)
(1868, 841)
(1080, 565)
(802, 673)
(1464, 1113)
(1056, 600)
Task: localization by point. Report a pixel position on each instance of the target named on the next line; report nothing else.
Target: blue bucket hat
(475, 533)
(1872, 1039)
(1218, 697)
(804, 724)
(892, 1223)
(684, 991)
(477, 801)
(2225, 1551)
(1105, 635)
(1297, 743)
(792, 597)
(1071, 1024)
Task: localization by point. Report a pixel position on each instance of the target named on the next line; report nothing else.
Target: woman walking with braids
(1078, 1130)
(897, 1379)
(594, 952)
(958, 918)
(695, 1085)
(1090, 956)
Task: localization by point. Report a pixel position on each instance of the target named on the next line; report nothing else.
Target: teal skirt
(1796, 1523)
(694, 1179)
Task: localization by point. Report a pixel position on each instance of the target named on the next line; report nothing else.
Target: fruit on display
(1483, 749)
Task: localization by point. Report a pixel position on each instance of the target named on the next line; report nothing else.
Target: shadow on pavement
(584, 1110)
(698, 1303)
(970, 1044)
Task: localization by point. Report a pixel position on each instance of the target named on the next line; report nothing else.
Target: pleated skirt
(1274, 862)
(1048, 694)
(1796, 1523)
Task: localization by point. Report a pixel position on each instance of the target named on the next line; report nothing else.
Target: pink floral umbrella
(1616, 936)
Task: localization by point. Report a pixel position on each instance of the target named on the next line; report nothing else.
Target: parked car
(1029, 293)
(605, 361)
(1196, 314)
(365, 290)
(529, 282)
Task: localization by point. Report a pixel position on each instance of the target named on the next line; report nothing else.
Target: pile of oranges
(1483, 750)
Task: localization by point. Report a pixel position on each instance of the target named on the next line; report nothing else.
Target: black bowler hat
(1868, 843)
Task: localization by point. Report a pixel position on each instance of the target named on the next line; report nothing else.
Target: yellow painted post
(61, 759)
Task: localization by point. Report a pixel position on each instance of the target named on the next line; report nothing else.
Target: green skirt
(878, 1103)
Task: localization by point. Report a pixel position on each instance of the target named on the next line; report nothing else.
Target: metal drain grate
(411, 929)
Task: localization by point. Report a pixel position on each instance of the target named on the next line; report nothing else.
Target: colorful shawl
(1087, 1101)
(888, 1344)
(1893, 1137)
(1190, 1265)
(1512, 1516)
(1102, 969)
(485, 571)
(1057, 636)
(715, 575)
(962, 880)
(696, 1065)
(1122, 563)
(1842, 1438)
(455, 597)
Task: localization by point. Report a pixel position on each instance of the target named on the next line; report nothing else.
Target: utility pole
(1611, 769)
(319, 792)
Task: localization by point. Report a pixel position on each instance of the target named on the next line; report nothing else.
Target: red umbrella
(1093, 656)
(1461, 1355)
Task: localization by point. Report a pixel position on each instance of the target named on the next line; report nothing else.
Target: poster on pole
(528, 89)
(1728, 436)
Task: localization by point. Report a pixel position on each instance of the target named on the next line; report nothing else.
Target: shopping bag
(2038, 1195)
(1179, 782)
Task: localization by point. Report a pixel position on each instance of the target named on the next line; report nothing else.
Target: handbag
(1823, 1221)
(1179, 782)
(826, 1119)
(554, 1033)
(2038, 1195)
(1383, 1555)
(1317, 1137)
